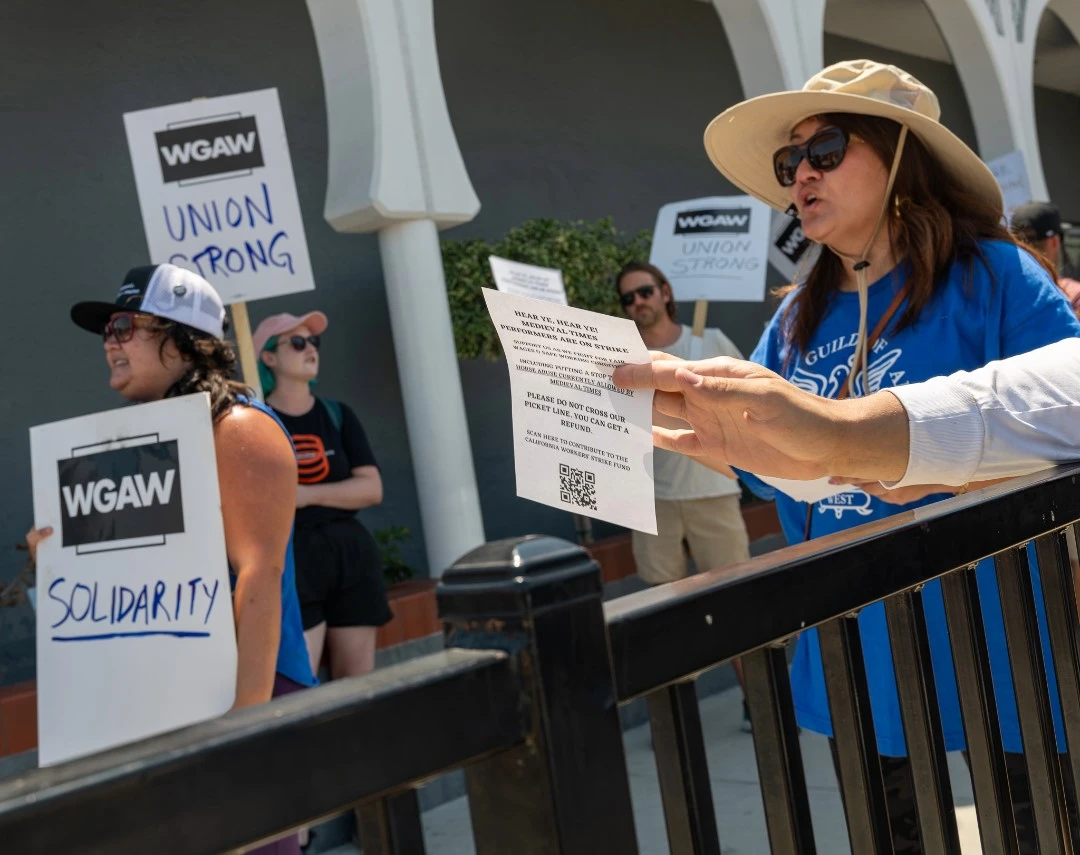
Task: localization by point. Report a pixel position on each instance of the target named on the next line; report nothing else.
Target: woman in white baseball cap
(917, 277)
(163, 337)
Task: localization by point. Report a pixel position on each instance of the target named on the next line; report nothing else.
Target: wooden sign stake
(701, 314)
(249, 360)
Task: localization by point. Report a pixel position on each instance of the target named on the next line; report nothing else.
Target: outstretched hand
(739, 414)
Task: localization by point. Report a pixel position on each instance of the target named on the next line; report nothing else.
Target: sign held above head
(217, 193)
(714, 249)
(1011, 173)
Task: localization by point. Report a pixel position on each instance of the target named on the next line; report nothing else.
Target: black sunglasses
(825, 151)
(299, 342)
(643, 291)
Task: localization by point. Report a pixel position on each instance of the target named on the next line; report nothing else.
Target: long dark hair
(933, 222)
(211, 368)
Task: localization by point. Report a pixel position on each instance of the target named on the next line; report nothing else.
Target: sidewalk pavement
(733, 771)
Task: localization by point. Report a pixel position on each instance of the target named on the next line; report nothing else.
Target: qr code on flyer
(577, 487)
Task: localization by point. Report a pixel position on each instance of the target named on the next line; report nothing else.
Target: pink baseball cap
(279, 324)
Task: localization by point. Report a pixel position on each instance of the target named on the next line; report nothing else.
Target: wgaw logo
(209, 148)
(792, 242)
(713, 221)
(124, 494)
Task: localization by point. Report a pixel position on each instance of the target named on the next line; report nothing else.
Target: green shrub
(395, 569)
(588, 254)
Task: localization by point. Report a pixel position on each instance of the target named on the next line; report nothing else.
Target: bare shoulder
(250, 434)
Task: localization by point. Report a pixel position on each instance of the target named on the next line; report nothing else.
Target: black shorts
(339, 576)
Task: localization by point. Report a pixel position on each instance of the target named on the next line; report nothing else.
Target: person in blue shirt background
(917, 277)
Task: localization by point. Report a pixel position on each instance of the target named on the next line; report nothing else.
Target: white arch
(1069, 12)
(995, 61)
(777, 44)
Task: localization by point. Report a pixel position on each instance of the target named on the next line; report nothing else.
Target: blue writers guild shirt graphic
(1005, 307)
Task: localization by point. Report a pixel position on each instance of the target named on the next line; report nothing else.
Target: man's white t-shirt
(678, 476)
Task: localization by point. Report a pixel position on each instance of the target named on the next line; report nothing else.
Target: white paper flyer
(580, 444)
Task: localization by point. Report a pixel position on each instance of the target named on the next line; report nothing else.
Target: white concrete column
(431, 389)
(395, 168)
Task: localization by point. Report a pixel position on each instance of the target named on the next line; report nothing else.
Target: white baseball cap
(164, 291)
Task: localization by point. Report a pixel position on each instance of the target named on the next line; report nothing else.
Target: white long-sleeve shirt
(1010, 417)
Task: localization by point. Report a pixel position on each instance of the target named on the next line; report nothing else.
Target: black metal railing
(525, 699)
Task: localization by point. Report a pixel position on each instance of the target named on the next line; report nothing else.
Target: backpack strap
(333, 409)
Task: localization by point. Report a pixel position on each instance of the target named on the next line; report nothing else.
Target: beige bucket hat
(742, 139)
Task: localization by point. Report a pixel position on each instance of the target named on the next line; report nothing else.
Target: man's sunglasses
(122, 327)
(825, 151)
(644, 292)
(299, 342)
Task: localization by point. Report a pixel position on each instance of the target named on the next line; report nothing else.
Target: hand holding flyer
(580, 443)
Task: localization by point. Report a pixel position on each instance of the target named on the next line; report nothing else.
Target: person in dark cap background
(1038, 224)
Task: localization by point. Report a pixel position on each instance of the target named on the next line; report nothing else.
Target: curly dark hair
(212, 368)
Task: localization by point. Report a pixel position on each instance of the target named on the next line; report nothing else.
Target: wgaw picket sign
(134, 618)
(714, 248)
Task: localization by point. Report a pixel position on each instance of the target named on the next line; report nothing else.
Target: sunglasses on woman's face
(299, 342)
(644, 292)
(825, 151)
(122, 327)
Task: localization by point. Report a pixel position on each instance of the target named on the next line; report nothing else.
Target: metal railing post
(391, 825)
(683, 770)
(566, 791)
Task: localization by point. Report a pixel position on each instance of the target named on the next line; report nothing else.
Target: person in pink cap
(338, 568)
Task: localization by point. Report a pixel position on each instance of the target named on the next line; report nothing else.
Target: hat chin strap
(861, 358)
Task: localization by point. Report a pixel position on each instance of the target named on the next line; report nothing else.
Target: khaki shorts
(712, 528)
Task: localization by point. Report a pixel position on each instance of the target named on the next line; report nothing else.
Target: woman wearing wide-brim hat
(916, 277)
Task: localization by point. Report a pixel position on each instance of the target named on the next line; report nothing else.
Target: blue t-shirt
(292, 661)
(1008, 309)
